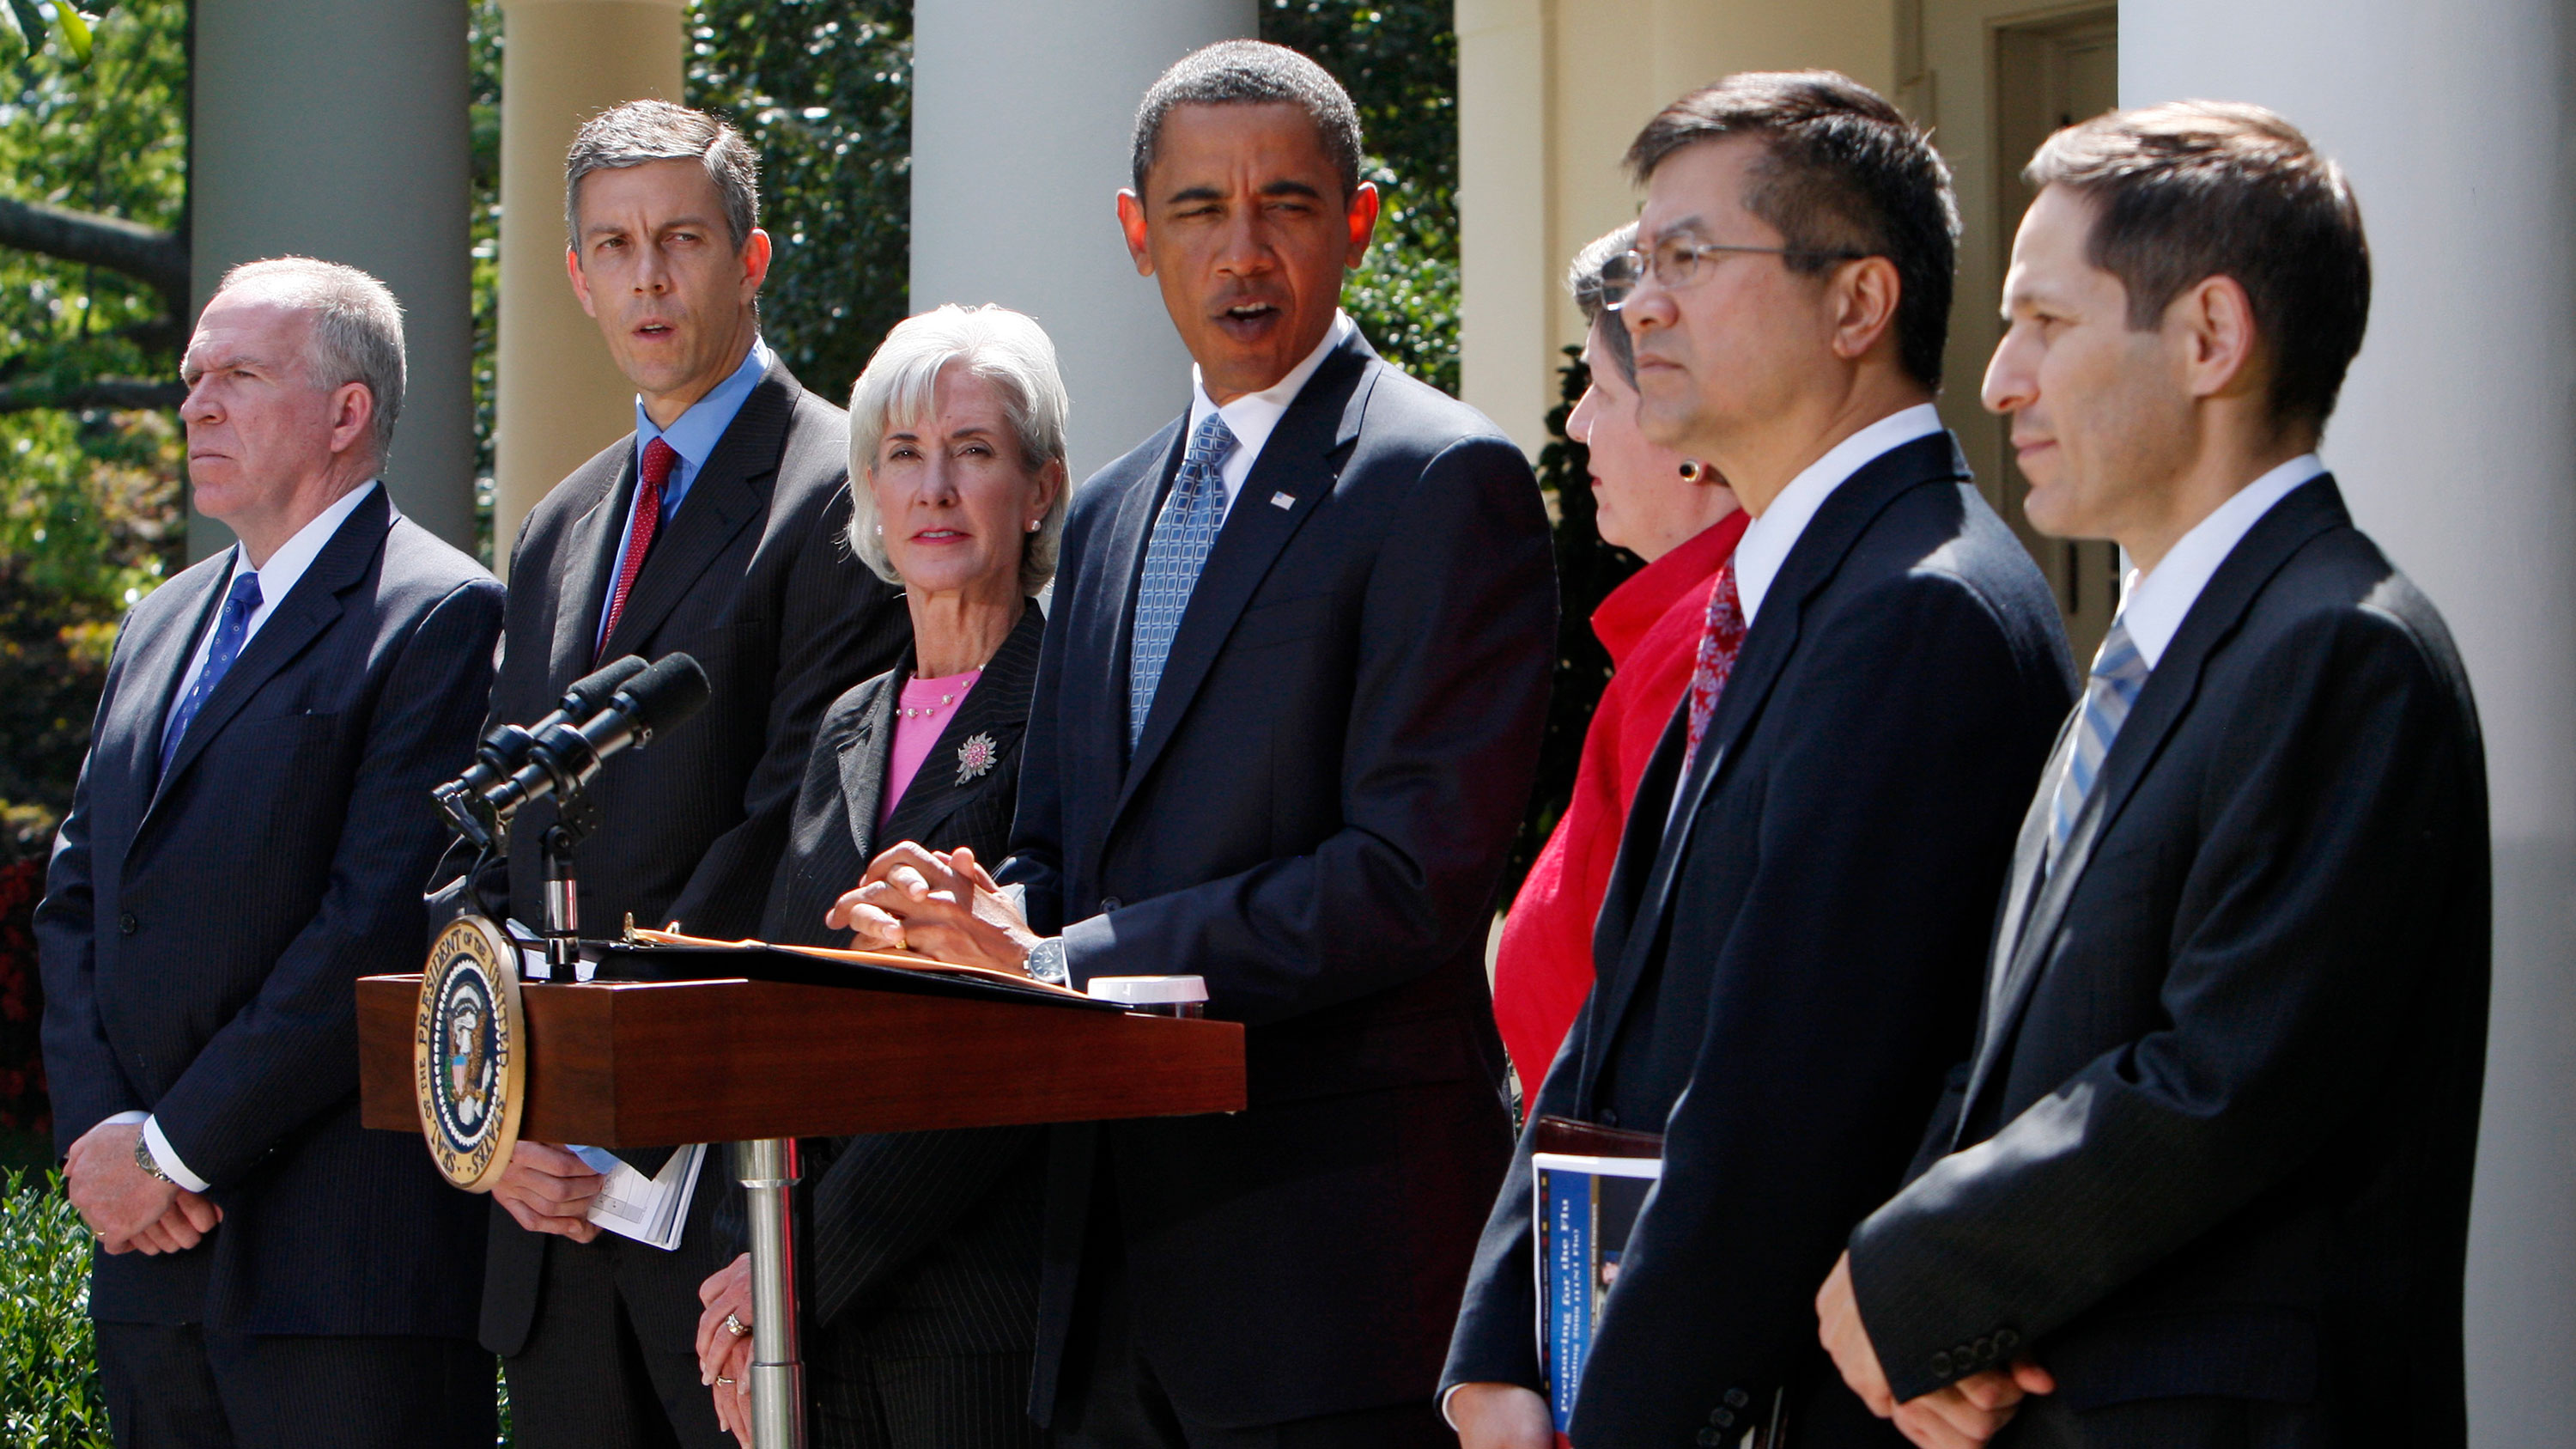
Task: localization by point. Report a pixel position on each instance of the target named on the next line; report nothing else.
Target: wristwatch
(1046, 962)
(144, 1159)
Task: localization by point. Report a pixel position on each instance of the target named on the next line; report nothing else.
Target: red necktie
(1718, 640)
(650, 475)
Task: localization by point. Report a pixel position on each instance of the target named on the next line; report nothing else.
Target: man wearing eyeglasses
(1788, 958)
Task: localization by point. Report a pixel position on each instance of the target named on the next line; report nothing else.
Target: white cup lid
(1148, 990)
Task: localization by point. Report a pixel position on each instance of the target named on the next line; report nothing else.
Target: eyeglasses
(1676, 264)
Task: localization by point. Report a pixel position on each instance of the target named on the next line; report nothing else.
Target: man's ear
(1865, 294)
(1362, 218)
(755, 260)
(1131, 223)
(353, 417)
(2219, 349)
(580, 283)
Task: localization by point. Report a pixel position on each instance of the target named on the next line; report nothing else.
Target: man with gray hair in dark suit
(248, 838)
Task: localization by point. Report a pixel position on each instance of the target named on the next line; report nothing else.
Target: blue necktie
(2119, 672)
(230, 630)
(1183, 534)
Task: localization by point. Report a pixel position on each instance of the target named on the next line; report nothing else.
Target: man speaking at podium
(715, 529)
(1284, 725)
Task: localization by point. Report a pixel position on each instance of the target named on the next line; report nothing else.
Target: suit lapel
(159, 663)
(996, 708)
(306, 611)
(1763, 658)
(1299, 464)
(2166, 698)
(729, 491)
(590, 556)
(864, 753)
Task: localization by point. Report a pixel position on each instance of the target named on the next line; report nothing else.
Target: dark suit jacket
(1315, 820)
(755, 580)
(2217, 1133)
(1787, 968)
(201, 930)
(920, 1242)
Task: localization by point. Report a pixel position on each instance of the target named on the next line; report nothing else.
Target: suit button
(1609, 1117)
(1737, 1398)
(126, 925)
(1709, 1438)
(1110, 903)
(1940, 1365)
(1725, 1418)
(2006, 1340)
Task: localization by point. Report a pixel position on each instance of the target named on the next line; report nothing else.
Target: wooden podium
(761, 1063)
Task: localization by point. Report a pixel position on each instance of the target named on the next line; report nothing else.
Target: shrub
(49, 1395)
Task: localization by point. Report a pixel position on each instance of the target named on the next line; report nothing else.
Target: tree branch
(157, 258)
(122, 393)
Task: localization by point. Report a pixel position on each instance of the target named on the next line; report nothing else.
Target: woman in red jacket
(1683, 521)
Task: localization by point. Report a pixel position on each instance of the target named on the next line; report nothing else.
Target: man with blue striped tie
(2205, 1180)
(1285, 723)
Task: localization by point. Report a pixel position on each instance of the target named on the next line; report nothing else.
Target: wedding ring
(733, 1325)
(720, 1378)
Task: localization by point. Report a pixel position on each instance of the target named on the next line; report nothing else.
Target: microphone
(505, 749)
(564, 757)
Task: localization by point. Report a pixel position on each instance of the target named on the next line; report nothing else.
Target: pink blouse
(925, 709)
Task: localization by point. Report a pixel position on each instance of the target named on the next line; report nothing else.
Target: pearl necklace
(947, 699)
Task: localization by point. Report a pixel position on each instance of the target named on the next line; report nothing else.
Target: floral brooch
(975, 757)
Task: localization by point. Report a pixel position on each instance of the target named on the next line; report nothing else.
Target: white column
(1507, 275)
(2456, 445)
(337, 129)
(1021, 115)
(557, 398)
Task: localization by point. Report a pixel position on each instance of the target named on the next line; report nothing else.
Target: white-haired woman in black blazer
(925, 1244)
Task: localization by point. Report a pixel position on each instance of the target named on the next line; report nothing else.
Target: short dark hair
(1583, 278)
(642, 131)
(1845, 172)
(1251, 73)
(2198, 189)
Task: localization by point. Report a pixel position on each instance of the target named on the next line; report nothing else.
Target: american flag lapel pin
(1283, 500)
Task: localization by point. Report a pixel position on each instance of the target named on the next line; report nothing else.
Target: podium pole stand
(767, 1169)
(761, 1063)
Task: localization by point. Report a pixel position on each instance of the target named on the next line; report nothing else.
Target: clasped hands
(130, 1210)
(1959, 1415)
(940, 903)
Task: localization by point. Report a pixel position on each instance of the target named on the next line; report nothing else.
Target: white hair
(900, 388)
(357, 329)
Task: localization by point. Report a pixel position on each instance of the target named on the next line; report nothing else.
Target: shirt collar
(293, 557)
(2154, 604)
(1769, 538)
(1252, 416)
(694, 433)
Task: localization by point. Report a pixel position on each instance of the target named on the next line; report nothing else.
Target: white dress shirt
(1253, 416)
(2154, 603)
(1769, 538)
(276, 581)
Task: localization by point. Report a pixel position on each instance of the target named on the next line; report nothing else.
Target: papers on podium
(650, 1210)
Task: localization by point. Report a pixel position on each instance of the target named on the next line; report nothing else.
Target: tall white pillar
(2456, 445)
(337, 129)
(1021, 116)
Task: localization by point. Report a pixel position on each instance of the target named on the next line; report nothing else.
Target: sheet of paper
(652, 1209)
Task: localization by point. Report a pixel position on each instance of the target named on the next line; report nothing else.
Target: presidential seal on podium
(469, 1052)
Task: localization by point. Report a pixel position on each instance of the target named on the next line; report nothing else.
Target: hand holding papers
(650, 1210)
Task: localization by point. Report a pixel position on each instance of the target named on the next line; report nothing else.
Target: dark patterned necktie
(1183, 534)
(650, 474)
(230, 631)
(1720, 636)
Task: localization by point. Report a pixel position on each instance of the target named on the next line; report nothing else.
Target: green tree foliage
(89, 519)
(49, 1395)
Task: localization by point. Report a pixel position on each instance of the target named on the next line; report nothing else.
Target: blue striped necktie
(1183, 534)
(2119, 672)
(230, 630)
